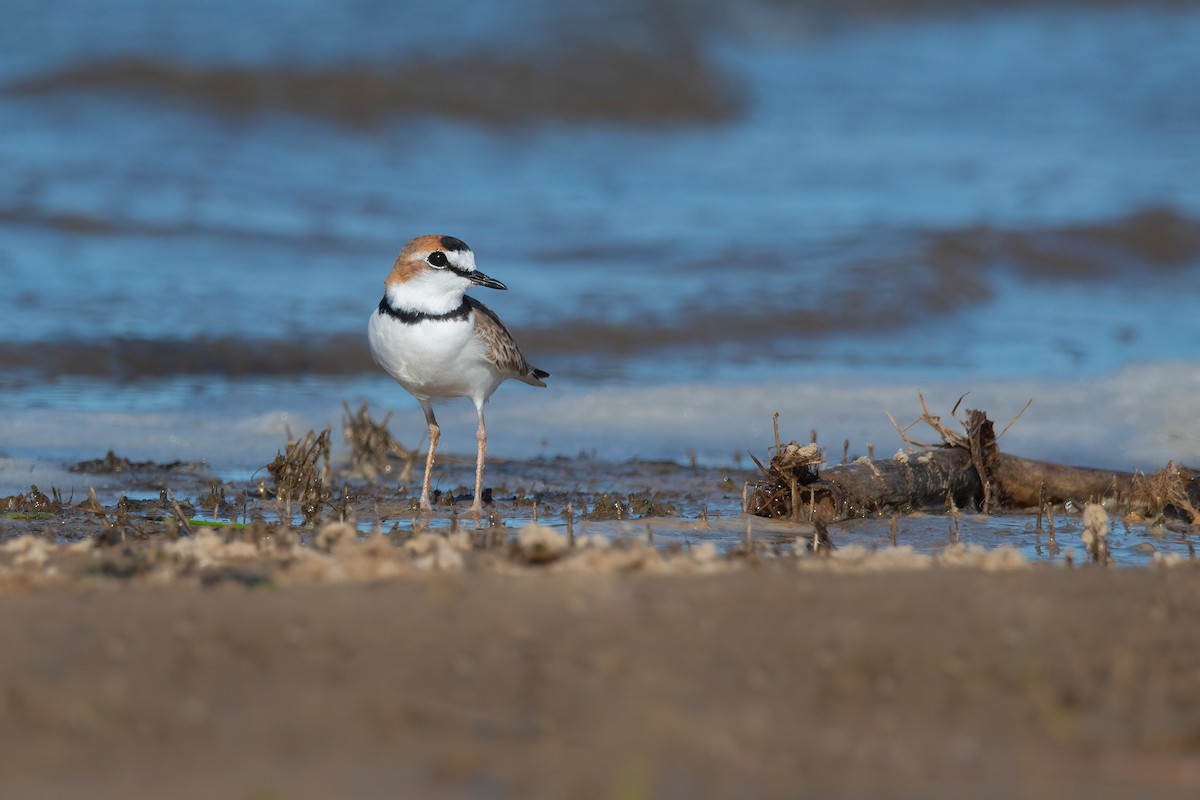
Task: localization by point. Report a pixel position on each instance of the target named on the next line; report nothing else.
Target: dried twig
(301, 473)
(183, 520)
(1014, 419)
(372, 446)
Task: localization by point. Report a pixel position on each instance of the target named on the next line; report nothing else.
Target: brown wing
(502, 350)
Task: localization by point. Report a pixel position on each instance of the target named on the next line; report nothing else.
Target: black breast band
(412, 317)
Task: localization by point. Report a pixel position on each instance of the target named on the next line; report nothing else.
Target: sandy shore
(331, 674)
(660, 646)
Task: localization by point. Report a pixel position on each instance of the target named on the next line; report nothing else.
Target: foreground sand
(321, 676)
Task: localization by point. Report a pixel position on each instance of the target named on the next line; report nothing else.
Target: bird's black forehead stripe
(450, 243)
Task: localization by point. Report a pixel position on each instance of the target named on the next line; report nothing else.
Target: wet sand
(753, 682)
(657, 656)
(644, 650)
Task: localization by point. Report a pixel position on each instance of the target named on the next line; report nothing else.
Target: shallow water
(659, 503)
(800, 209)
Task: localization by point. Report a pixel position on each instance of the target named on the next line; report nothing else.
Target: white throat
(428, 293)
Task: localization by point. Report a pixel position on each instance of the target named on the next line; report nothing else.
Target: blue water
(781, 212)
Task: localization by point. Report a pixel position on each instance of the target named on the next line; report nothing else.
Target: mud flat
(444, 664)
(609, 630)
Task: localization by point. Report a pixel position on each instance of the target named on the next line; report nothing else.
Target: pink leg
(481, 437)
(435, 433)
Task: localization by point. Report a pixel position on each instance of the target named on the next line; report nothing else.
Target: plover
(438, 343)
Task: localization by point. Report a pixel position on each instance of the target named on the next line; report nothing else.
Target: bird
(438, 342)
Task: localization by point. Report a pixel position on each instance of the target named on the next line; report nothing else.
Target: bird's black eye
(438, 259)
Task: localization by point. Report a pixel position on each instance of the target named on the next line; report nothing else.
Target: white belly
(433, 358)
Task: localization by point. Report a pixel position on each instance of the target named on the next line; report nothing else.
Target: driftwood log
(968, 471)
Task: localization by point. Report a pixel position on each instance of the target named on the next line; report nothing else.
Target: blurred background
(705, 212)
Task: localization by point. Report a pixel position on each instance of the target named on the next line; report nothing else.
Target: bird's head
(432, 273)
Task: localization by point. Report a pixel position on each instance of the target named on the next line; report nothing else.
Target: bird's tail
(534, 377)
